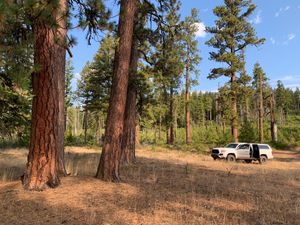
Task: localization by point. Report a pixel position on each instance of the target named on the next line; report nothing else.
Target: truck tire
(231, 158)
(263, 159)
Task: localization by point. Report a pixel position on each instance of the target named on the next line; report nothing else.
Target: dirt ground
(163, 187)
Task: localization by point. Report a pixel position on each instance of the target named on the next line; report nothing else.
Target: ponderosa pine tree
(283, 101)
(48, 20)
(109, 164)
(168, 59)
(45, 143)
(143, 36)
(260, 85)
(128, 137)
(232, 33)
(130, 118)
(95, 98)
(191, 60)
(245, 91)
(273, 121)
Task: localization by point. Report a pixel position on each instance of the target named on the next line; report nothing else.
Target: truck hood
(224, 149)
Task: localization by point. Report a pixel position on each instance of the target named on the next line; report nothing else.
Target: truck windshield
(231, 146)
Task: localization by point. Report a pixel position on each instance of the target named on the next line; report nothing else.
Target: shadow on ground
(156, 191)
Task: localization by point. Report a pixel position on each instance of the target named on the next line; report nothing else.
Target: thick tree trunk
(128, 139)
(46, 152)
(234, 116)
(187, 101)
(60, 63)
(108, 168)
(273, 118)
(41, 169)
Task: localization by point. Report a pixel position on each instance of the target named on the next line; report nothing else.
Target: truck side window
(246, 146)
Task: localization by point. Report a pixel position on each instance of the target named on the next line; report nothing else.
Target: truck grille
(216, 151)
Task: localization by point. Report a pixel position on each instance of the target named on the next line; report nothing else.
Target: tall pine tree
(232, 33)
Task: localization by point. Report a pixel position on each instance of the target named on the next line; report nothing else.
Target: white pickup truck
(243, 151)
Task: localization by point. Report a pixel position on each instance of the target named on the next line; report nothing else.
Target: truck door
(256, 153)
(243, 151)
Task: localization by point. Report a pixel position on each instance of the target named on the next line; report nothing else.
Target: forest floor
(163, 187)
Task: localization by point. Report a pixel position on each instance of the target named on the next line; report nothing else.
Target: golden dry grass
(163, 187)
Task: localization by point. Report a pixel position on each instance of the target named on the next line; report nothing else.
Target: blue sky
(275, 20)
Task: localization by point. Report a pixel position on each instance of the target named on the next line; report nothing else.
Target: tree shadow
(157, 191)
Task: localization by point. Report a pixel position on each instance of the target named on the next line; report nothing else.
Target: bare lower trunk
(171, 114)
(234, 116)
(85, 125)
(246, 109)
(187, 105)
(60, 63)
(168, 132)
(273, 118)
(108, 168)
(137, 135)
(97, 128)
(46, 152)
(41, 169)
(128, 139)
(261, 112)
(159, 128)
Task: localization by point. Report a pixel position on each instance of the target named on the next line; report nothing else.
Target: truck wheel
(263, 159)
(248, 161)
(231, 158)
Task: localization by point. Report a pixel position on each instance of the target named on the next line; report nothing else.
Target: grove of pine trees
(137, 88)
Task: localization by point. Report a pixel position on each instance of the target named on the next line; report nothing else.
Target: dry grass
(163, 187)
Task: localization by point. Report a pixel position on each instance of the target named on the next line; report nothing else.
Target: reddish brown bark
(60, 63)
(41, 168)
(128, 139)
(108, 168)
(45, 157)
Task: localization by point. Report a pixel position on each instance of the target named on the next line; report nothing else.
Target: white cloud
(293, 86)
(291, 36)
(282, 10)
(287, 79)
(272, 41)
(292, 78)
(201, 31)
